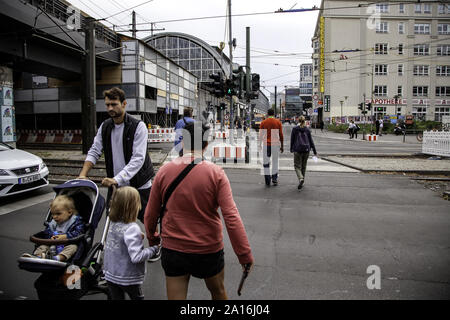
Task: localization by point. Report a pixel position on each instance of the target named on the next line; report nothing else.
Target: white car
(20, 171)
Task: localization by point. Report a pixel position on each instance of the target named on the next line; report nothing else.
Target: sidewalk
(388, 138)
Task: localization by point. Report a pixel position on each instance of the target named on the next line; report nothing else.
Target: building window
(419, 113)
(442, 91)
(426, 8)
(418, 8)
(420, 91)
(443, 9)
(443, 71)
(382, 27)
(421, 49)
(421, 28)
(401, 28)
(381, 69)
(399, 91)
(381, 48)
(400, 69)
(443, 50)
(400, 48)
(401, 8)
(441, 111)
(380, 91)
(443, 28)
(382, 8)
(421, 70)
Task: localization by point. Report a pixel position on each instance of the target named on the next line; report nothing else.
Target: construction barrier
(222, 134)
(371, 137)
(75, 136)
(161, 135)
(49, 136)
(228, 153)
(436, 143)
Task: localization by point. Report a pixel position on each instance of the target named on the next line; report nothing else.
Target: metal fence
(436, 143)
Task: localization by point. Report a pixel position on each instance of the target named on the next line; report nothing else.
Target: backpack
(301, 142)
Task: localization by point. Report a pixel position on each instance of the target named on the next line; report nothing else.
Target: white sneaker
(156, 256)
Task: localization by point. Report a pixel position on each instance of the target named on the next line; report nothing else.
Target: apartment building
(395, 55)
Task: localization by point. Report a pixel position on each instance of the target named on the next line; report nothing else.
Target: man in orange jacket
(271, 141)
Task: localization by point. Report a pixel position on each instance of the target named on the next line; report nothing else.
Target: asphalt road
(313, 244)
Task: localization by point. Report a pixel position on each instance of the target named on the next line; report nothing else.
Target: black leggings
(118, 292)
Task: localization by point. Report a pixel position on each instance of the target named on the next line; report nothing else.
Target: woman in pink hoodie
(192, 238)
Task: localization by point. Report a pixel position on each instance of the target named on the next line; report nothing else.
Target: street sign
(227, 117)
(315, 97)
(327, 103)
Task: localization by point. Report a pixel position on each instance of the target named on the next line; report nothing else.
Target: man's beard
(114, 114)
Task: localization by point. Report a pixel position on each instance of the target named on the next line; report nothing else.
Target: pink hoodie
(191, 222)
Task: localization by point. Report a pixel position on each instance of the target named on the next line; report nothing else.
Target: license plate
(29, 179)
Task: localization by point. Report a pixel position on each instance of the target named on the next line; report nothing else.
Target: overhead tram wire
(277, 12)
(145, 2)
(233, 15)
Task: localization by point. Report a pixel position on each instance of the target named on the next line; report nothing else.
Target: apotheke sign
(387, 101)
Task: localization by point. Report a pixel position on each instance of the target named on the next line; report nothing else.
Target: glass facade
(189, 54)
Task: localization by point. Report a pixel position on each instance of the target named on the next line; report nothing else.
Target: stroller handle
(111, 192)
(54, 242)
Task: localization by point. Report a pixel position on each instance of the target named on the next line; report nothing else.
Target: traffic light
(217, 85)
(361, 106)
(254, 86)
(369, 106)
(255, 82)
(222, 106)
(379, 108)
(235, 85)
(229, 88)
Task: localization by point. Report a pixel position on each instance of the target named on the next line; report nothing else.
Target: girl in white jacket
(125, 255)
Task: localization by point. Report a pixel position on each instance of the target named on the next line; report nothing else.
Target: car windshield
(4, 147)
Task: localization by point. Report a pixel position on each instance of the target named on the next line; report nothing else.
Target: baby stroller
(81, 275)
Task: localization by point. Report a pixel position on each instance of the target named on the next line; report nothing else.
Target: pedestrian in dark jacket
(301, 144)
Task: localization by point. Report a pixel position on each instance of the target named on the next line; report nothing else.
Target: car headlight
(3, 172)
(42, 166)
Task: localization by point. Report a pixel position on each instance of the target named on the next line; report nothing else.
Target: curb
(361, 140)
(421, 172)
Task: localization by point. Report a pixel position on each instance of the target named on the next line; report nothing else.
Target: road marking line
(5, 209)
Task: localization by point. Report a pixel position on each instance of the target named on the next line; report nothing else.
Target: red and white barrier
(228, 152)
(161, 135)
(49, 136)
(371, 137)
(222, 134)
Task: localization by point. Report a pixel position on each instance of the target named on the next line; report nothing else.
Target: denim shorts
(201, 266)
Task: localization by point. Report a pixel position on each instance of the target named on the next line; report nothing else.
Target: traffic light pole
(231, 63)
(364, 115)
(88, 107)
(248, 72)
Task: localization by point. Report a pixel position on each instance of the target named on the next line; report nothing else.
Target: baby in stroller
(65, 224)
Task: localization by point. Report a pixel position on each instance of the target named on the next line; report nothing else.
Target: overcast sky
(271, 34)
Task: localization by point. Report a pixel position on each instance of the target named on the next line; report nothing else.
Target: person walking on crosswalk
(301, 144)
(271, 144)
